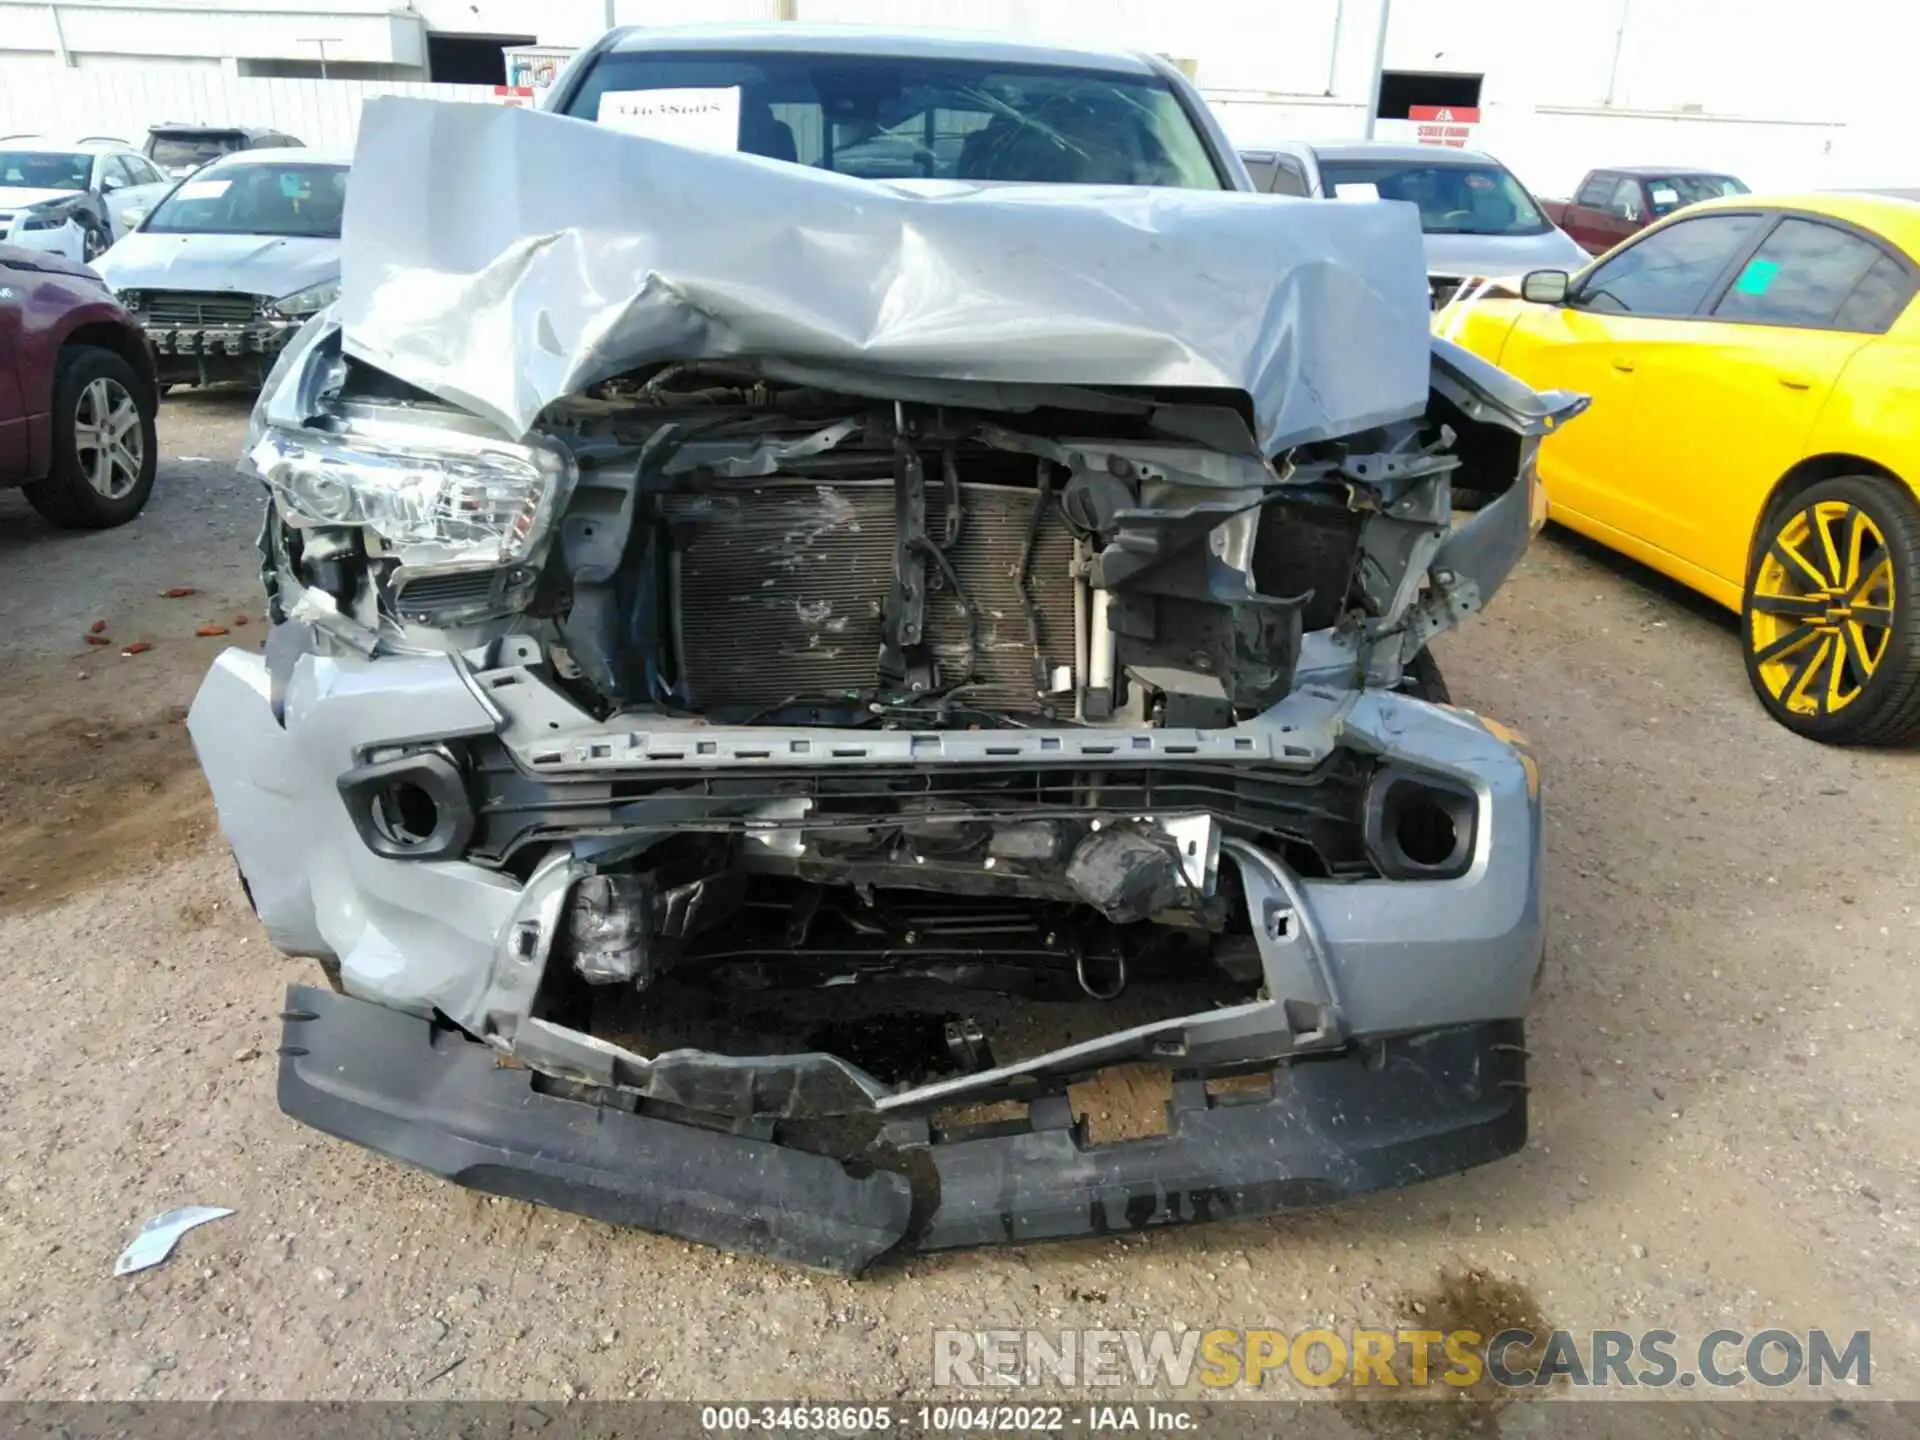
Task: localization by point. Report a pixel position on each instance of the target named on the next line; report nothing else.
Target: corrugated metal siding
(323, 113)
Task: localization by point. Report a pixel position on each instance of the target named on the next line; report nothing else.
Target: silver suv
(1478, 219)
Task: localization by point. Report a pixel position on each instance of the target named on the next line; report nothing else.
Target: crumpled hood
(1492, 256)
(25, 197)
(251, 264)
(502, 259)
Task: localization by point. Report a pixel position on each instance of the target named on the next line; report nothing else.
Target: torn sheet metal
(159, 1235)
(502, 259)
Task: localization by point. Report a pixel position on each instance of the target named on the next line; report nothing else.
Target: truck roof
(1646, 172)
(791, 38)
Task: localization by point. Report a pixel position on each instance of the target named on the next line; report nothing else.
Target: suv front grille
(196, 307)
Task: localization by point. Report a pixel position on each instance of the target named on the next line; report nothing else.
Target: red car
(77, 394)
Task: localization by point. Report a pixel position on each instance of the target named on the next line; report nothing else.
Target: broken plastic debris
(98, 626)
(196, 459)
(239, 619)
(159, 1235)
(139, 647)
(178, 592)
(211, 630)
(94, 638)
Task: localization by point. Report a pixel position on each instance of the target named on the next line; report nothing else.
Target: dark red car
(77, 394)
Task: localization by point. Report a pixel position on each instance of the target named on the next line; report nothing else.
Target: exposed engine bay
(750, 553)
(733, 556)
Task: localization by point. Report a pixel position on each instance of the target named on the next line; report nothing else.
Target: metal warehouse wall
(1707, 82)
(323, 113)
(193, 33)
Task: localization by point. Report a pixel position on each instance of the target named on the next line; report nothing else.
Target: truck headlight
(438, 497)
(303, 303)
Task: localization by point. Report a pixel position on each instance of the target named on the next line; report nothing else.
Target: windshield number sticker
(1665, 195)
(203, 189)
(1357, 190)
(705, 119)
(1758, 275)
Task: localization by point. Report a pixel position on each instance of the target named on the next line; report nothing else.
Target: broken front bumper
(1407, 1110)
(208, 354)
(1388, 1024)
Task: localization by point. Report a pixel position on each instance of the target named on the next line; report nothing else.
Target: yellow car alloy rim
(1821, 612)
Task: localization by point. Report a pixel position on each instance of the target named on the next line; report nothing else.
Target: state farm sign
(1450, 125)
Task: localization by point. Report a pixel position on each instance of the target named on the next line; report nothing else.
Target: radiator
(779, 589)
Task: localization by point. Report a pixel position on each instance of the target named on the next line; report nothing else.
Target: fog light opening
(1420, 827)
(405, 814)
(1425, 831)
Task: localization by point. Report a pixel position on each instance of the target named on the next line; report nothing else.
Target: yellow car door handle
(1796, 382)
(1625, 367)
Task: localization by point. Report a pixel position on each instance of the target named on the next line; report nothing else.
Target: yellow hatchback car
(1754, 365)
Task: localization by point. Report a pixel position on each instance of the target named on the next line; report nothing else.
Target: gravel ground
(1725, 1107)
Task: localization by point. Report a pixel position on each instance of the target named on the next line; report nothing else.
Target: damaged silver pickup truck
(776, 675)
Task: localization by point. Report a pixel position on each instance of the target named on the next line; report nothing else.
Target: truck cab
(1611, 205)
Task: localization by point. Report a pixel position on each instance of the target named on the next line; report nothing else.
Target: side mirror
(1545, 287)
(110, 183)
(132, 216)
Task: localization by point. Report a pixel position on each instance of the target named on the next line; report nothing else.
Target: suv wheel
(103, 443)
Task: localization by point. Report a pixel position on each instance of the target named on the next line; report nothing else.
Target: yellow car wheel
(1830, 620)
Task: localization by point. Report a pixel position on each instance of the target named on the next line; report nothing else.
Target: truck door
(1625, 214)
(1583, 212)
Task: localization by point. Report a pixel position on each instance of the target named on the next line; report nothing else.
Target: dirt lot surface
(1726, 1118)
